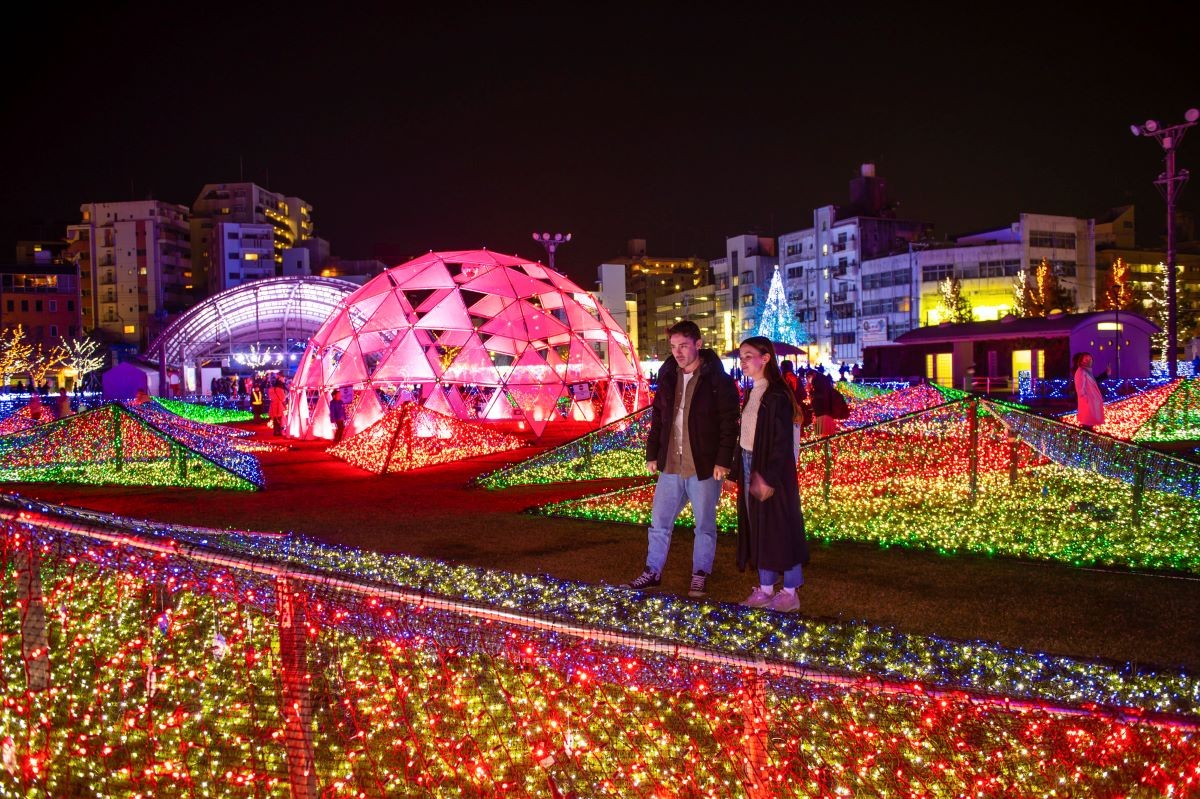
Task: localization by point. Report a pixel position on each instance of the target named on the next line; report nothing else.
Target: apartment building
(134, 266)
(740, 283)
(651, 280)
(822, 264)
(40, 292)
(290, 219)
(239, 253)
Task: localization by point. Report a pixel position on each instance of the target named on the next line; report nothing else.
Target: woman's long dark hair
(771, 370)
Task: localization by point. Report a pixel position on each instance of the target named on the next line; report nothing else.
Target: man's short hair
(685, 328)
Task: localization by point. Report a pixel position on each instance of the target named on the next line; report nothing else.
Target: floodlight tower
(551, 242)
(1170, 183)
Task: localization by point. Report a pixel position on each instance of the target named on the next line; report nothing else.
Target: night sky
(469, 127)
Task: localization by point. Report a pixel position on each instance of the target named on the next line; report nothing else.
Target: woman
(1087, 390)
(800, 393)
(820, 391)
(770, 531)
(277, 407)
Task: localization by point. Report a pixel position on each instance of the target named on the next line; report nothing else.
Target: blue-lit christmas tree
(778, 322)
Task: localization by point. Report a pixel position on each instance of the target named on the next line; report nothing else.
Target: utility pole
(1170, 183)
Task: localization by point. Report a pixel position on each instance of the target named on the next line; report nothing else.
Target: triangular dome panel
(320, 424)
(472, 365)
(350, 368)
(449, 314)
(390, 314)
(364, 411)
(436, 401)
(434, 276)
(541, 325)
(614, 408)
(405, 363)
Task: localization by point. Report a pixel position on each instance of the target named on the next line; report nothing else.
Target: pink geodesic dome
(471, 334)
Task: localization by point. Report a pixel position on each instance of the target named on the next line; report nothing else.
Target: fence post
(973, 427)
(35, 649)
(297, 701)
(178, 454)
(118, 445)
(828, 479)
(1013, 448)
(755, 730)
(1139, 490)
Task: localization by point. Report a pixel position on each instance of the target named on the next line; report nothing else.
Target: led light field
(166, 682)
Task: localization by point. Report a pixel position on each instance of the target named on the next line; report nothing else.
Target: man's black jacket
(712, 419)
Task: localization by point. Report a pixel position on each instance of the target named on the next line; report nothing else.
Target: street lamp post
(551, 242)
(1170, 183)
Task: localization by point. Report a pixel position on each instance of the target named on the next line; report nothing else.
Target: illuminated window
(130, 329)
(250, 256)
(939, 367)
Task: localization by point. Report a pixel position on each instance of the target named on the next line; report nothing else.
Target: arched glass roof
(268, 312)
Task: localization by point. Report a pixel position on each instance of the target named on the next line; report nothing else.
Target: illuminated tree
(954, 306)
(1154, 307)
(43, 362)
(81, 355)
(1038, 293)
(1020, 306)
(778, 322)
(15, 352)
(1118, 295)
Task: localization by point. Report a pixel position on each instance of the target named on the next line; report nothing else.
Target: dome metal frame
(269, 312)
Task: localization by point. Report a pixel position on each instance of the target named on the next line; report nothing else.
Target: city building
(900, 291)
(239, 253)
(1066, 243)
(290, 219)
(134, 266)
(740, 283)
(358, 270)
(41, 251)
(622, 304)
(40, 292)
(823, 272)
(650, 280)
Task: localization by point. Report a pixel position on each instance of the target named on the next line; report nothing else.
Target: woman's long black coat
(771, 533)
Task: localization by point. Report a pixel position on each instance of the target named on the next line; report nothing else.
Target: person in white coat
(1087, 392)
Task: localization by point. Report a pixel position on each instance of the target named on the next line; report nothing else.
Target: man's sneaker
(758, 599)
(784, 602)
(646, 579)
(699, 586)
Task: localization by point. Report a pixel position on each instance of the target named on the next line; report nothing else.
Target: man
(337, 415)
(693, 435)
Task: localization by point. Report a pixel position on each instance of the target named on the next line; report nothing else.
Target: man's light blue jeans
(670, 495)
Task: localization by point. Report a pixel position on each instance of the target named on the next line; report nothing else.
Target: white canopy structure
(263, 313)
(472, 334)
